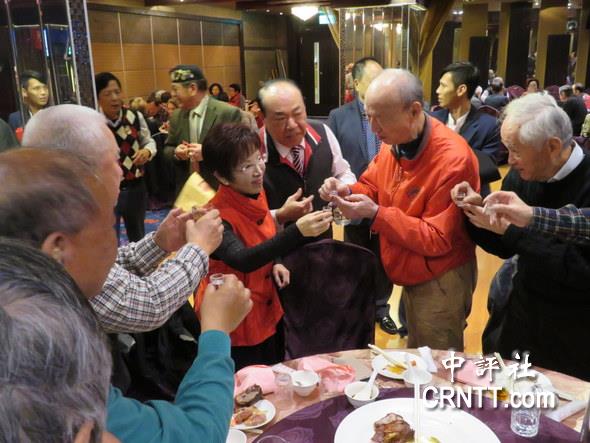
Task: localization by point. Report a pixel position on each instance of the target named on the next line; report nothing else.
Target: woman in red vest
(251, 243)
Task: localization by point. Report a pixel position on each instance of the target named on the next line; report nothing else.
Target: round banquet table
(394, 388)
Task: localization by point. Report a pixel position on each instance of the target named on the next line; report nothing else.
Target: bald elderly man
(302, 153)
(405, 192)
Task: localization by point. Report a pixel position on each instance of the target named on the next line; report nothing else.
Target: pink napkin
(334, 377)
(260, 375)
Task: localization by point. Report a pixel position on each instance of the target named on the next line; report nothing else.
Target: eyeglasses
(249, 168)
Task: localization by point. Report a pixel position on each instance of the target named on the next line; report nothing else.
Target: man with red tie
(301, 153)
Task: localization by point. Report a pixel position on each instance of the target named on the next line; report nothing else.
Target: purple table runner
(318, 423)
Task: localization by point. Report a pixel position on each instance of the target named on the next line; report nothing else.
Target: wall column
(503, 34)
(474, 24)
(583, 44)
(552, 21)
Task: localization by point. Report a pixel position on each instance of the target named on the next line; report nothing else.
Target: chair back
(553, 90)
(489, 110)
(515, 91)
(329, 304)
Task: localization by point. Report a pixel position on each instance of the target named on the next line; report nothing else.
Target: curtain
(333, 23)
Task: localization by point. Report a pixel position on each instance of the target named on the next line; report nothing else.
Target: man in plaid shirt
(568, 222)
(136, 296)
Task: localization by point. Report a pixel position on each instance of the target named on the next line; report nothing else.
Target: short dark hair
(102, 79)
(533, 79)
(464, 73)
(31, 74)
(497, 86)
(579, 87)
(165, 97)
(566, 90)
(226, 146)
(359, 66)
(236, 87)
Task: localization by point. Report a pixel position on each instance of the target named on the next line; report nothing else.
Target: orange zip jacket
(422, 232)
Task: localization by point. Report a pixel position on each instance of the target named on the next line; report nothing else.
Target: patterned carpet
(152, 221)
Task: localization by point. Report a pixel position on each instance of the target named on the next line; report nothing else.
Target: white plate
(448, 425)
(236, 436)
(267, 407)
(380, 364)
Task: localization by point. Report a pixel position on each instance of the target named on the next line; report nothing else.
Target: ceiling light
(398, 29)
(304, 12)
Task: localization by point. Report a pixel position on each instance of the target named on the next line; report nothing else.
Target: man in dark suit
(359, 145)
(35, 94)
(574, 107)
(189, 124)
(482, 131)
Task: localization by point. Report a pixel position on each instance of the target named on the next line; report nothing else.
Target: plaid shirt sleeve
(131, 303)
(142, 257)
(568, 222)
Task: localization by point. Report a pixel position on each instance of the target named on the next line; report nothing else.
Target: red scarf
(252, 224)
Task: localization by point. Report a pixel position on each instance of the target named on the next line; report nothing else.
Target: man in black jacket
(548, 307)
(574, 107)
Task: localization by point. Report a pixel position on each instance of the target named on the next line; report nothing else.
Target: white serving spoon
(366, 393)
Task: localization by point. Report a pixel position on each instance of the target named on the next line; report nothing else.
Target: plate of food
(392, 421)
(396, 371)
(254, 416)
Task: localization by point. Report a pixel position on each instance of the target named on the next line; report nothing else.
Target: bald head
(82, 131)
(284, 112)
(394, 106)
(395, 87)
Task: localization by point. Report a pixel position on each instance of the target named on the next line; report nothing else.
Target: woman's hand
(314, 224)
(281, 275)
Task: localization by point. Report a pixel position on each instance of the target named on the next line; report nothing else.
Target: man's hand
(293, 208)
(171, 234)
(314, 224)
(181, 152)
(508, 206)
(356, 206)
(195, 152)
(141, 157)
(224, 308)
(207, 232)
(463, 193)
(485, 219)
(281, 275)
(332, 185)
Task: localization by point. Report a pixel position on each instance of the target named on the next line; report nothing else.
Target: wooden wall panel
(138, 56)
(191, 55)
(166, 56)
(232, 74)
(231, 55)
(139, 83)
(162, 79)
(214, 55)
(106, 57)
(216, 75)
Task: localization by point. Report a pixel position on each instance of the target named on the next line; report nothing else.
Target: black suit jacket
(482, 133)
(346, 124)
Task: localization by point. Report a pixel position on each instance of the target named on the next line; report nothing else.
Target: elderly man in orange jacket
(405, 192)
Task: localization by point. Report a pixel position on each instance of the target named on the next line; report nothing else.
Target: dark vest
(127, 135)
(281, 180)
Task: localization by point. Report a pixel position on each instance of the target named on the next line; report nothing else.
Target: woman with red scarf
(251, 243)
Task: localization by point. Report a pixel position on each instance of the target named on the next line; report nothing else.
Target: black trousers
(269, 352)
(131, 206)
(361, 235)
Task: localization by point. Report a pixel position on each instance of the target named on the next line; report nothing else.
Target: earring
(56, 253)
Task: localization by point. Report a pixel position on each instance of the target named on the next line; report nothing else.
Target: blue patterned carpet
(152, 221)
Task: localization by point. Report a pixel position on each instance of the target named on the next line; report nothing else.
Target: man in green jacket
(189, 124)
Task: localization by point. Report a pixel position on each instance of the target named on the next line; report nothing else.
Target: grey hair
(55, 363)
(74, 128)
(539, 118)
(407, 87)
(44, 192)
